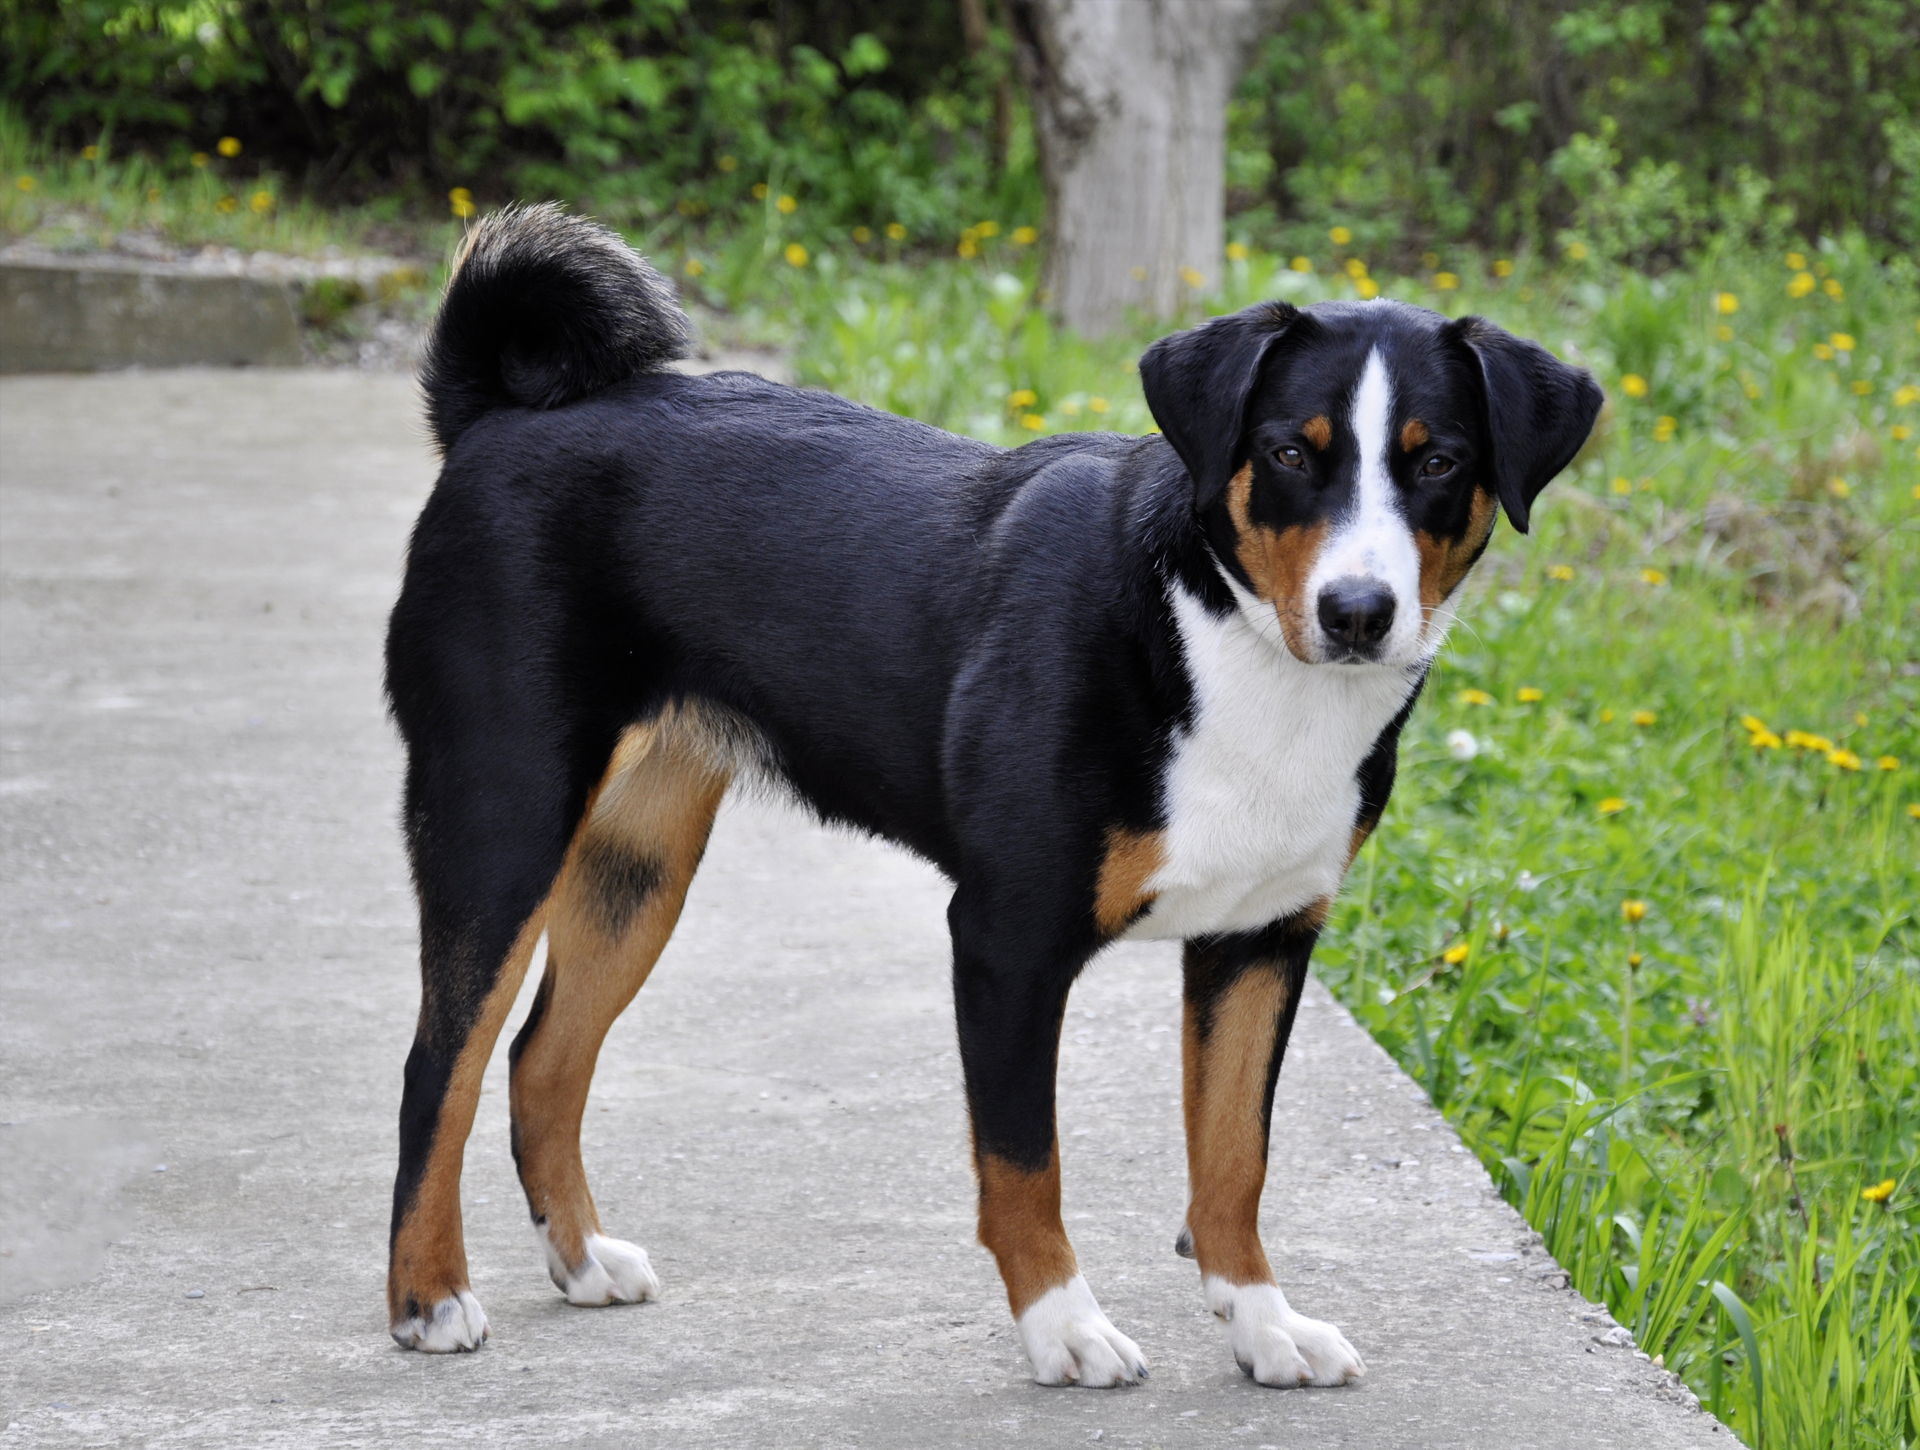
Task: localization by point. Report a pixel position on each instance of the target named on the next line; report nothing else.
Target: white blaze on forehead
(1374, 539)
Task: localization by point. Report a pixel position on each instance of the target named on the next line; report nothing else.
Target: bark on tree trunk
(1130, 119)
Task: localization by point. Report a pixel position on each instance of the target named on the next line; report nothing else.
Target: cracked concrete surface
(208, 989)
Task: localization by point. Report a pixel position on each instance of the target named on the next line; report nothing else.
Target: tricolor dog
(1112, 687)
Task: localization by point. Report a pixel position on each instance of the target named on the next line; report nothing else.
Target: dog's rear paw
(1276, 1346)
(612, 1271)
(454, 1324)
(1070, 1341)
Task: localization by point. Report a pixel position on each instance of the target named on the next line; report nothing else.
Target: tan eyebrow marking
(1318, 431)
(1413, 435)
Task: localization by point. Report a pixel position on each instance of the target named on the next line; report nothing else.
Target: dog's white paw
(1277, 1346)
(456, 1323)
(613, 1272)
(1069, 1341)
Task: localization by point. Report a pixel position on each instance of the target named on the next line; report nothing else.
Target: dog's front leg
(1010, 989)
(1241, 992)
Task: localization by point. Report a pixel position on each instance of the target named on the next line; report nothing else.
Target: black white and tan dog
(1111, 686)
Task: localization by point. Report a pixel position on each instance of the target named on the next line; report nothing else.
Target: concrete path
(207, 990)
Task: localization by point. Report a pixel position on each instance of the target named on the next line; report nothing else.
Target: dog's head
(1348, 459)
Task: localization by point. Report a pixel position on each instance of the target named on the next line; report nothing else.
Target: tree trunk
(1130, 118)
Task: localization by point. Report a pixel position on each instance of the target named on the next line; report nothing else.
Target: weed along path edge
(210, 985)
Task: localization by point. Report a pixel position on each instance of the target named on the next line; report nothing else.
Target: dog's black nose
(1356, 614)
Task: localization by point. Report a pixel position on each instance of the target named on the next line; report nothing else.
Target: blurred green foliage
(1633, 131)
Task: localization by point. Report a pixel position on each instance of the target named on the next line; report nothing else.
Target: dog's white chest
(1261, 793)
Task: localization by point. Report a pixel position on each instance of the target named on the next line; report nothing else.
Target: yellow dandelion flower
(1913, 810)
(862, 235)
(1446, 281)
(1906, 393)
(460, 202)
(694, 267)
(1634, 959)
(1900, 432)
(1621, 484)
(1633, 911)
(1367, 288)
(1633, 385)
(1529, 695)
(1237, 252)
(786, 205)
(1801, 284)
(1840, 341)
(1022, 398)
(261, 202)
(1576, 251)
(1723, 332)
(1797, 261)
(1193, 277)
(1654, 577)
(1879, 1192)
(1839, 488)
(759, 191)
(1823, 352)
(1606, 717)
(795, 254)
(896, 232)
(1643, 717)
(1474, 697)
(1844, 759)
(968, 248)
(1888, 762)
(728, 163)
(1560, 573)
(1860, 718)
(1752, 722)
(199, 158)
(25, 183)
(228, 146)
(1456, 954)
(1725, 303)
(1502, 267)
(89, 153)
(1354, 268)
(1032, 422)
(1764, 740)
(1301, 264)
(227, 205)
(1027, 236)
(1097, 404)
(1339, 236)
(987, 229)
(1663, 428)
(1611, 806)
(1861, 387)
(1833, 288)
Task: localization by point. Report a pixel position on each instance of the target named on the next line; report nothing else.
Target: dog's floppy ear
(1197, 383)
(1539, 412)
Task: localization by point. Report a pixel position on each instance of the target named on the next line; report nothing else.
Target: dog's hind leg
(613, 908)
(1241, 992)
(492, 798)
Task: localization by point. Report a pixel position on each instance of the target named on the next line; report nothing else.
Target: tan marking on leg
(1020, 1226)
(613, 908)
(1445, 562)
(1318, 431)
(1277, 563)
(1359, 839)
(429, 1258)
(1121, 892)
(1413, 434)
(1225, 1080)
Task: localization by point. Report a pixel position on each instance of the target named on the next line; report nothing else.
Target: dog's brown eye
(1289, 457)
(1438, 466)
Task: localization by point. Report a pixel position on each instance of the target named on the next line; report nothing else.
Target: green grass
(1687, 1105)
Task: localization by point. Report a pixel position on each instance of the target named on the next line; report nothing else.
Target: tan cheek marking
(1413, 435)
(1121, 893)
(1225, 1072)
(1319, 432)
(1445, 562)
(1277, 564)
(1020, 1226)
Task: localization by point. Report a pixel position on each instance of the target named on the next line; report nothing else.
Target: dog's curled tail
(543, 308)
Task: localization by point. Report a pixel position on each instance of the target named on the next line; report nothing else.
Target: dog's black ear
(1539, 412)
(1197, 383)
